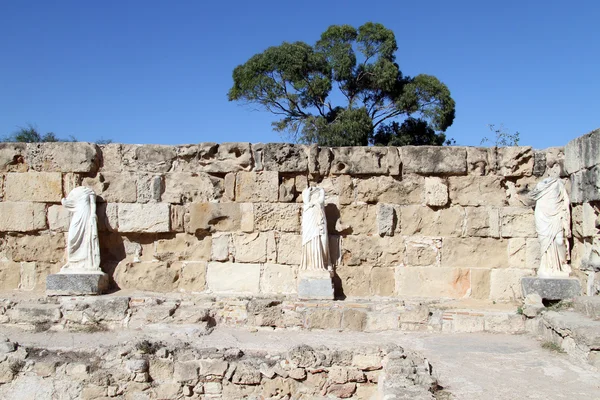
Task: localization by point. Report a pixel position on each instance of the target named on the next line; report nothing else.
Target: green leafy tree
(31, 135)
(502, 137)
(295, 81)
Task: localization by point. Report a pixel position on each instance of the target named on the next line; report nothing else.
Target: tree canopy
(31, 135)
(299, 83)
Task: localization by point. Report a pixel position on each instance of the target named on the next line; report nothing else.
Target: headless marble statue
(315, 243)
(552, 223)
(83, 251)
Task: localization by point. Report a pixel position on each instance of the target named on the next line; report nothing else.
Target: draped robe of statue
(553, 226)
(315, 242)
(83, 251)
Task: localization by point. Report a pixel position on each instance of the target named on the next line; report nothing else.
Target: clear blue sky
(159, 71)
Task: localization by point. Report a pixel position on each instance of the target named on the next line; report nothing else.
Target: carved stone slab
(551, 288)
(76, 284)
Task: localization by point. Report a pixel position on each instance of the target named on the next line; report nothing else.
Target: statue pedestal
(76, 284)
(551, 288)
(315, 285)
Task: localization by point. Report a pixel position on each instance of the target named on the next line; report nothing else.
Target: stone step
(588, 305)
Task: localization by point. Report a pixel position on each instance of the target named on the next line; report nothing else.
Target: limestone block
(355, 281)
(152, 217)
(287, 190)
(515, 161)
(423, 251)
(583, 152)
(539, 162)
(505, 284)
(76, 284)
(210, 217)
(517, 222)
(215, 158)
(585, 185)
(365, 160)
(358, 219)
(383, 281)
(257, 186)
(222, 247)
(147, 157)
(278, 279)
(551, 288)
(422, 220)
(289, 248)
(481, 160)
(386, 219)
(434, 160)
(192, 187)
(324, 319)
(12, 157)
(482, 222)
(300, 183)
(372, 250)
(149, 188)
(33, 186)
(480, 283)
(250, 247)
(154, 276)
(63, 157)
(114, 187)
(432, 281)
(108, 217)
(257, 154)
(183, 247)
(532, 253)
(229, 187)
(59, 218)
(22, 217)
(10, 275)
(345, 189)
(45, 247)
(377, 322)
(192, 275)
(319, 160)
(436, 192)
(315, 285)
(33, 313)
(475, 190)
(233, 278)
(28, 276)
(386, 189)
(283, 217)
(186, 371)
(517, 250)
(474, 253)
(354, 320)
(285, 157)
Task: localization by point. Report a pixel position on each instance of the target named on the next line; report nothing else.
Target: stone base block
(76, 284)
(551, 288)
(315, 285)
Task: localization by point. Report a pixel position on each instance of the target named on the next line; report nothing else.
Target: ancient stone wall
(226, 218)
(583, 165)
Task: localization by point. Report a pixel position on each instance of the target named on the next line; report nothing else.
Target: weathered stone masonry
(225, 218)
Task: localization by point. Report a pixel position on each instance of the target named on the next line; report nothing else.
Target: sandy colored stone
(287, 190)
(517, 252)
(289, 248)
(423, 220)
(432, 281)
(476, 190)
(481, 160)
(423, 251)
(358, 219)
(250, 247)
(28, 276)
(482, 222)
(517, 222)
(386, 219)
(474, 253)
(12, 157)
(354, 281)
(365, 160)
(63, 156)
(152, 217)
(434, 160)
(505, 284)
(210, 217)
(281, 217)
(70, 181)
(45, 247)
(154, 276)
(183, 247)
(480, 283)
(108, 217)
(354, 320)
(247, 219)
(59, 218)
(10, 275)
(324, 319)
(22, 216)
(383, 281)
(149, 188)
(161, 370)
(229, 187)
(278, 279)
(515, 161)
(222, 247)
(387, 189)
(532, 253)
(345, 188)
(436, 192)
(233, 277)
(372, 250)
(189, 187)
(285, 157)
(147, 157)
(214, 157)
(116, 187)
(257, 187)
(33, 186)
